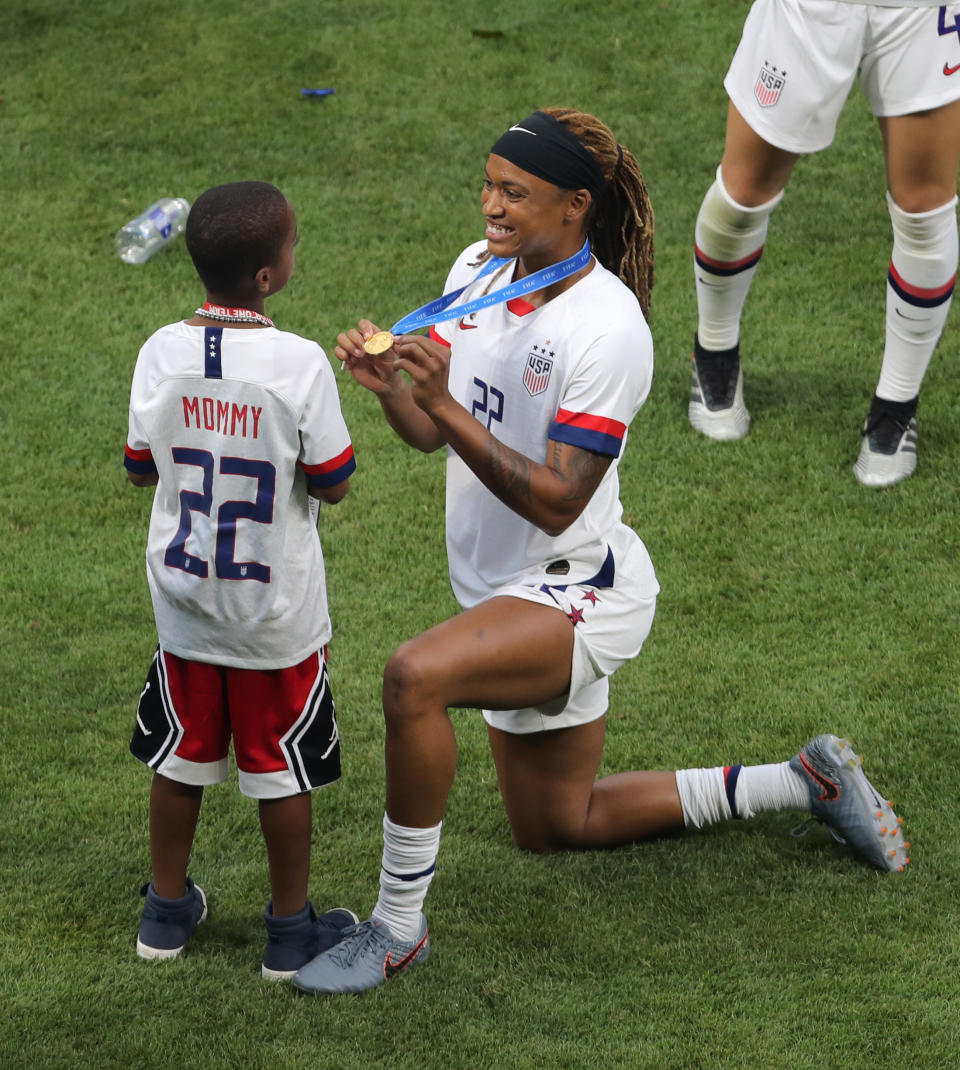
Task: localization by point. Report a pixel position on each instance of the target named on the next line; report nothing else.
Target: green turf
(794, 601)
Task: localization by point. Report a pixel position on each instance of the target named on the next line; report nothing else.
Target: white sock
(764, 788)
(708, 796)
(920, 282)
(703, 797)
(409, 862)
(729, 243)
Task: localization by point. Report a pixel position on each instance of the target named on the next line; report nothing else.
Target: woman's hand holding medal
(375, 357)
(427, 364)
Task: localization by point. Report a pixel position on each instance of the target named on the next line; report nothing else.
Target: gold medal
(378, 343)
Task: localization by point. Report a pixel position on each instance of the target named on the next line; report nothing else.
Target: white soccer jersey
(575, 370)
(236, 423)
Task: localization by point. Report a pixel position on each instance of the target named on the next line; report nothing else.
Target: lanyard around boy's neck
(440, 309)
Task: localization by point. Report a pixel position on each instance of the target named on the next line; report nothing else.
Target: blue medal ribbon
(435, 311)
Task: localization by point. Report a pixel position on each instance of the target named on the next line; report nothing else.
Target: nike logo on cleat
(830, 790)
(390, 967)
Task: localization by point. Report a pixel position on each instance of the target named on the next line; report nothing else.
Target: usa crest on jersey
(768, 86)
(536, 374)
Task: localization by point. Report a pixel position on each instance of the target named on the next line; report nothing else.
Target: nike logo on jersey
(464, 326)
(948, 70)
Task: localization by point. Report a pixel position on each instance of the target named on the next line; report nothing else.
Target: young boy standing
(239, 426)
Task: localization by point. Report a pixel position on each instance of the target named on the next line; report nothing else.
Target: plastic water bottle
(152, 230)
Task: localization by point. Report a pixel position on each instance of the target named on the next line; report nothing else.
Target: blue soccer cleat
(368, 955)
(843, 799)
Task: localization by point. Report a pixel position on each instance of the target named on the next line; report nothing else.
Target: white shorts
(797, 60)
(612, 615)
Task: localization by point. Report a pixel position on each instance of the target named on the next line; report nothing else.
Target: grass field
(794, 601)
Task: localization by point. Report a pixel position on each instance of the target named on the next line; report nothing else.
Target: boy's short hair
(234, 230)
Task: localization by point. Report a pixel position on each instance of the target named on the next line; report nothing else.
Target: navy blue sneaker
(294, 940)
(167, 924)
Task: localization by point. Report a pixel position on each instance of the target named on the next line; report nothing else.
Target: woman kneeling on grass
(532, 397)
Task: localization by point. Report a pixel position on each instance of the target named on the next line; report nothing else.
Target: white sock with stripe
(920, 282)
(729, 243)
(708, 796)
(409, 862)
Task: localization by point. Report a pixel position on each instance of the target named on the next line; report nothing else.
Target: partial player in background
(789, 79)
(531, 398)
(238, 425)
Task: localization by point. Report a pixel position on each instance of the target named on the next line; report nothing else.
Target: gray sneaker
(842, 798)
(367, 955)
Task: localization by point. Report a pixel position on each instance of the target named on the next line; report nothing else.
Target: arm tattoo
(510, 472)
(510, 475)
(582, 470)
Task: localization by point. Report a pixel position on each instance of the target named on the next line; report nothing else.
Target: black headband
(546, 148)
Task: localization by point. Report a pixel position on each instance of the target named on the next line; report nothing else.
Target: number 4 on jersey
(942, 28)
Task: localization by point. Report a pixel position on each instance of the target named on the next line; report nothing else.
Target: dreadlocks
(620, 223)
